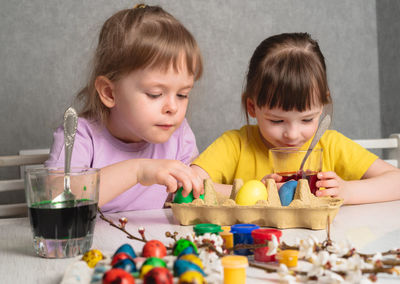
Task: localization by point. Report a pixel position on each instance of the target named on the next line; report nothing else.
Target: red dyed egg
(119, 256)
(117, 275)
(154, 248)
(158, 275)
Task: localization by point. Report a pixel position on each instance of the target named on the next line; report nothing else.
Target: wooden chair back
(26, 158)
(390, 148)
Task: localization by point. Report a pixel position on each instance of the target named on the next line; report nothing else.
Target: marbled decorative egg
(158, 275)
(189, 250)
(154, 248)
(287, 191)
(119, 256)
(155, 261)
(182, 244)
(126, 264)
(126, 248)
(181, 266)
(117, 275)
(92, 257)
(192, 277)
(192, 258)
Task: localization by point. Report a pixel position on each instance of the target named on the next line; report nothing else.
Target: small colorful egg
(188, 250)
(126, 264)
(144, 269)
(117, 275)
(154, 248)
(155, 261)
(192, 258)
(92, 257)
(119, 256)
(158, 275)
(181, 266)
(287, 191)
(126, 248)
(193, 277)
(181, 244)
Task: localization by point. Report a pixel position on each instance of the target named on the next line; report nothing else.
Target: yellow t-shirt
(242, 154)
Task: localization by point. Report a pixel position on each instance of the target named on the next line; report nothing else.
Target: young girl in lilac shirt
(132, 124)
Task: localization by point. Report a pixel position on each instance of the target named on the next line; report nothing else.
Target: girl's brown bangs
(293, 84)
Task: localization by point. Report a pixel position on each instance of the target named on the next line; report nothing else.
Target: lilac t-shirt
(95, 147)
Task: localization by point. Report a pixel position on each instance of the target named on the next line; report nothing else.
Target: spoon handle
(70, 125)
(322, 127)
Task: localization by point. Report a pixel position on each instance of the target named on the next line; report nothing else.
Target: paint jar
(227, 236)
(242, 235)
(234, 269)
(261, 236)
(288, 257)
(201, 229)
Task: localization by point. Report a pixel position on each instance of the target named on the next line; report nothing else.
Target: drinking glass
(64, 228)
(287, 160)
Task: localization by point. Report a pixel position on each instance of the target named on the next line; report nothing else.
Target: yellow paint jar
(288, 257)
(227, 236)
(234, 269)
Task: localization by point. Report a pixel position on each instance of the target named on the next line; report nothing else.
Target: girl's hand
(332, 182)
(277, 178)
(172, 174)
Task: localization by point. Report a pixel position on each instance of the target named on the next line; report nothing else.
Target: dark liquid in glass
(311, 177)
(75, 219)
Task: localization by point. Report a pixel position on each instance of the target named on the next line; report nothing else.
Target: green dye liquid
(75, 218)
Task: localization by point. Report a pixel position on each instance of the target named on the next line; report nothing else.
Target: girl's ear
(105, 89)
(251, 108)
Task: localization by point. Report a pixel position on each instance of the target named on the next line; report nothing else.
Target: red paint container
(260, 236)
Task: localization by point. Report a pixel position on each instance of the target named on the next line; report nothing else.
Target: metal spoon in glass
(70, 124)
(324, 124)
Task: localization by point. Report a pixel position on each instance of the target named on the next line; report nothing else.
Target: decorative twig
(123, 221)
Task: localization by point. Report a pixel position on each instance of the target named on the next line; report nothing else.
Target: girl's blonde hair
(287, 71)
(138, 38)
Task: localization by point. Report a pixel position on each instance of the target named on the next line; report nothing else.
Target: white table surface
(370, 227)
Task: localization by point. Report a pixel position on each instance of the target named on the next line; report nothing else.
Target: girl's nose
(291, 132)
(170, 105)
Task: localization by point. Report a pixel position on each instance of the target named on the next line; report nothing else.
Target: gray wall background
(45, 47)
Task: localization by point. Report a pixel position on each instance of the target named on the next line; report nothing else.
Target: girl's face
(149, 104)
(281, 128)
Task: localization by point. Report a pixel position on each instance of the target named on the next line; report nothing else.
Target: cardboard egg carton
(305, 211)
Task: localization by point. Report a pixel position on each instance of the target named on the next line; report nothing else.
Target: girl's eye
(308, 120)
(153, 96)
(276, 121)
(182, 96)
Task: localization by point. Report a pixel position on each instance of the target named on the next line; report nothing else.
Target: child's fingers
(171, 184)
(326, 175)
(197, 187)
(328, 192)
(327, 183)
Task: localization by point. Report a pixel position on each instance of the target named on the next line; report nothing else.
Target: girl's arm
(381, 182)
(224, 189)
(123, 175)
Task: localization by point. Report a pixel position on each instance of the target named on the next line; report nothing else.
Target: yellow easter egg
(144, 269)
(251, 192)
(92, 257)
(191, 276)
(193, 258)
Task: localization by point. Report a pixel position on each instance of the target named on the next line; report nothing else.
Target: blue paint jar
(242, 235)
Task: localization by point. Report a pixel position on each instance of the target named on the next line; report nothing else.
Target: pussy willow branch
(121, 228)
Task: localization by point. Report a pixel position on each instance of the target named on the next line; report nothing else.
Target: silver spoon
(322, 127)
(70, 124)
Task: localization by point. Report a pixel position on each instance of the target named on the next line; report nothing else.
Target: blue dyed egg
(126, 264)
(188, 250)
(126, 248)
(183, 244)
(181, 266)
(287, 191)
